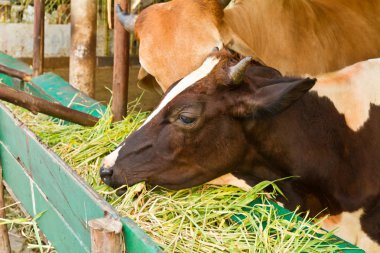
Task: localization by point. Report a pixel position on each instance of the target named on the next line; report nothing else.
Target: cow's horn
(127, 20)
(237, 72)
(224, 3)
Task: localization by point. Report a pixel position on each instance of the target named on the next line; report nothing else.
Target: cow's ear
(147, 82)
(274, 98)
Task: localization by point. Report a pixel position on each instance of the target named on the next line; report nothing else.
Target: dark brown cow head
(199, 130)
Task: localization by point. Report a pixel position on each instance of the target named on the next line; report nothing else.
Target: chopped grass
(201, 219)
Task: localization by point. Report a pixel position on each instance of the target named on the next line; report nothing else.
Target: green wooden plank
(73, 199)
(138, 241)
(52, 223)
(10, 81)
(34, 90)
(61, 91)
(13, 63)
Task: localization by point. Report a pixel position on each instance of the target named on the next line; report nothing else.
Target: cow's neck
(311, 140)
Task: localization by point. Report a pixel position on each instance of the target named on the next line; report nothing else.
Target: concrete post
(83, 45)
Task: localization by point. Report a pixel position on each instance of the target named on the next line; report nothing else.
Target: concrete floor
(104, 85)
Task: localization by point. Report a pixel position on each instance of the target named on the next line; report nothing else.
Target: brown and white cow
(294, 36)
(246, 122)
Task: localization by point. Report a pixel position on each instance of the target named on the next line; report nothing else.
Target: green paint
(52, 223)
(60, 90)
(137, 238)
(43, 182)
(10, 81)
(38, 92)
(13, 63)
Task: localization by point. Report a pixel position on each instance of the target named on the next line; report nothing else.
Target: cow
(294, 36)
(239, 122)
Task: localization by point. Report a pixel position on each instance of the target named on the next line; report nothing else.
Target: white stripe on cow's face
(207, 66)
(352, 90)
(109, 161)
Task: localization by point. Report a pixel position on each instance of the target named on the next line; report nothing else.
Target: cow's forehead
(188, 81)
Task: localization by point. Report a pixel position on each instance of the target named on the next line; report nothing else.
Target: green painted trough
(43, 182)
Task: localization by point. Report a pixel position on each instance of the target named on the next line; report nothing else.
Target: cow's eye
(186, 119)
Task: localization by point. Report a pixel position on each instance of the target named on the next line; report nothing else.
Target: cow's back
(303, 36)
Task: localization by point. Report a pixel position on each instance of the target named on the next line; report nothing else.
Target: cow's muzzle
(105, 175)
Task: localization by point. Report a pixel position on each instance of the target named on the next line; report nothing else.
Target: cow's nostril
(104, 173)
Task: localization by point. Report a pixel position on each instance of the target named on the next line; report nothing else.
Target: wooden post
(4, 238)
(39, 37)
(83, 45)
(106, 236)
(120, 67)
